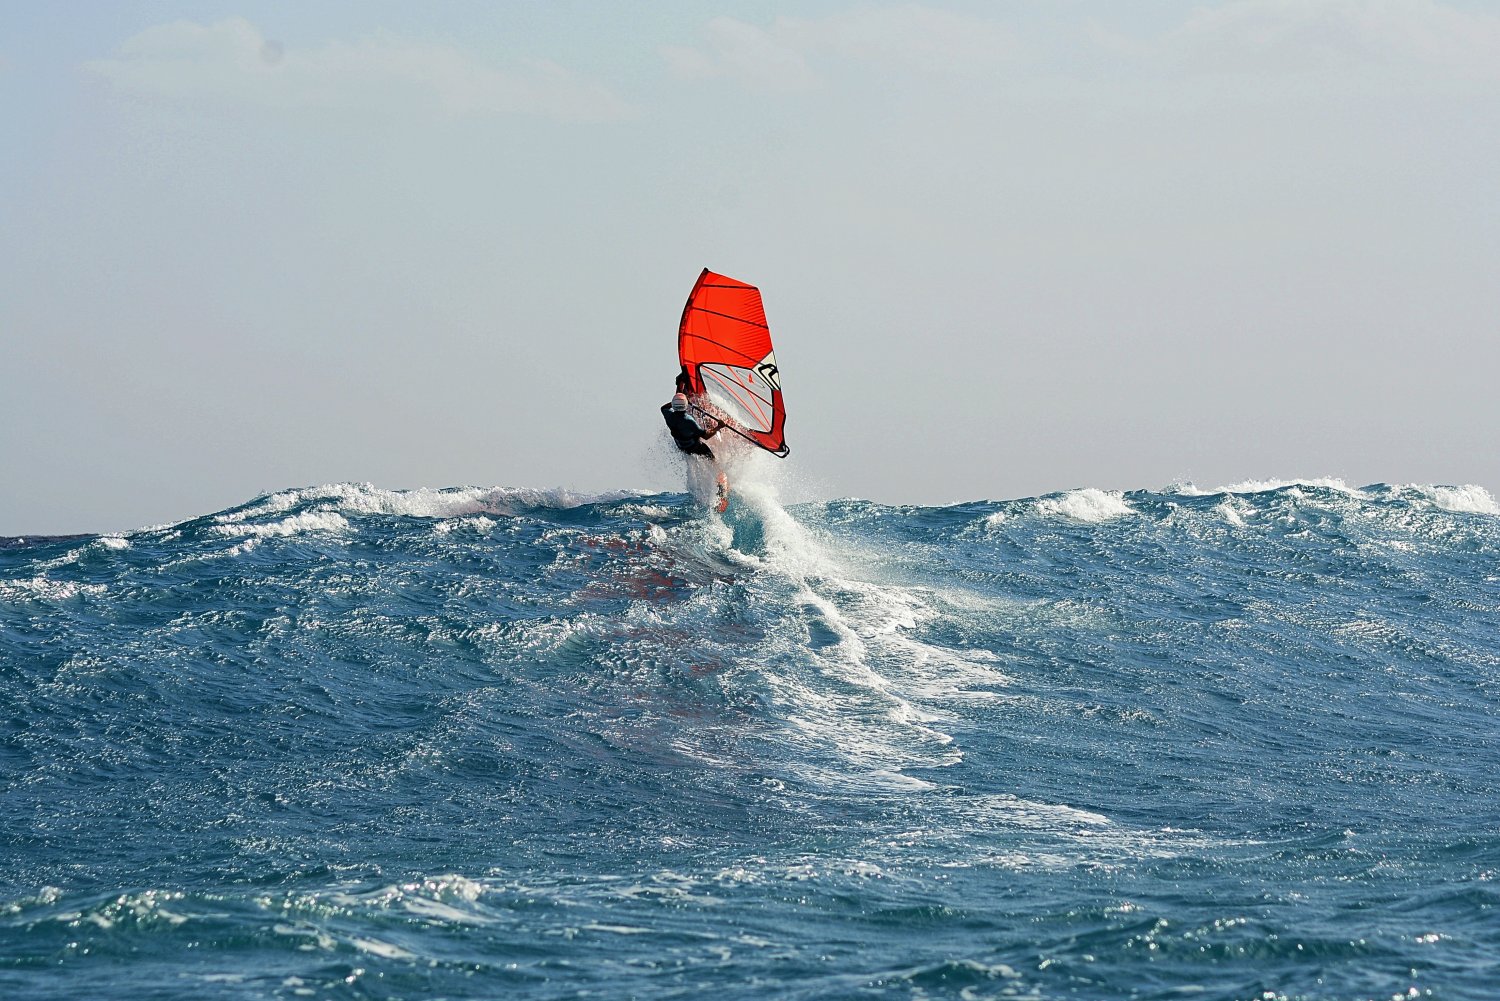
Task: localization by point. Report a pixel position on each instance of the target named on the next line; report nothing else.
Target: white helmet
(679, 402)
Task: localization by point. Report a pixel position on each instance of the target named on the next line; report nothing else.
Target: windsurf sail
(725, 348)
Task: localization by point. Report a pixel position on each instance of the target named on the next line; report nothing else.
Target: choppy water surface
(343, 742)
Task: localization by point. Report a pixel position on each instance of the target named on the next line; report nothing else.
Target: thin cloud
(782, 56)
(1419, 40)
(1286, 45)
(233, 62)
(921, 38)
(751, 55)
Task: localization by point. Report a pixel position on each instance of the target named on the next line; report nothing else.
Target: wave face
(351, 743)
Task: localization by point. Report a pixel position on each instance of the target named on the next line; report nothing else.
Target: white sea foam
(445, 899)
(648, 512)
(1089, 504)
(57, 562)
(76, 554)
(868, 705)
(428, 503)
(1233, 510)
(42, 588)
(308, 521)
(44, 897)
(285, 500)
(993, 811)
(317, 939)
(376, 947)
(868, 700)
(423, 502)
(790, 546)
(478, 523)
(1467, 499)
(1263, 486)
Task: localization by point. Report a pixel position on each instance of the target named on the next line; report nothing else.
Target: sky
(1005, 248)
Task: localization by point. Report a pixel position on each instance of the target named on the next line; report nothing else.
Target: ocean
(347, 742)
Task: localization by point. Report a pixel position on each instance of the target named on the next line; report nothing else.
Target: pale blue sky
(1005, 248)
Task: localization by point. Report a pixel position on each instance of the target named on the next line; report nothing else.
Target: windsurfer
(685, 431)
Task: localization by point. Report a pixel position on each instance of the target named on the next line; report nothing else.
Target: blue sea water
(343, 742)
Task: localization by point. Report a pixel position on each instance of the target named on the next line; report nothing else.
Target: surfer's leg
(721, 493)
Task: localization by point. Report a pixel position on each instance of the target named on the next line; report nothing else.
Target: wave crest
(1089, 504)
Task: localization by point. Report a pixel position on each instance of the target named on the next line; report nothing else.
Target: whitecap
(1467, 499)
(646, 512)
(1088, 504)
(1233, 510)
(478, 523)
(423, 502)
(42, 588)
(308, 521)
(1253, 486)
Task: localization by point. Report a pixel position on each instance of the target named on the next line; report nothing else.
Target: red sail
(725, 346)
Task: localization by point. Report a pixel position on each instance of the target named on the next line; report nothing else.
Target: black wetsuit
(685, 431)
